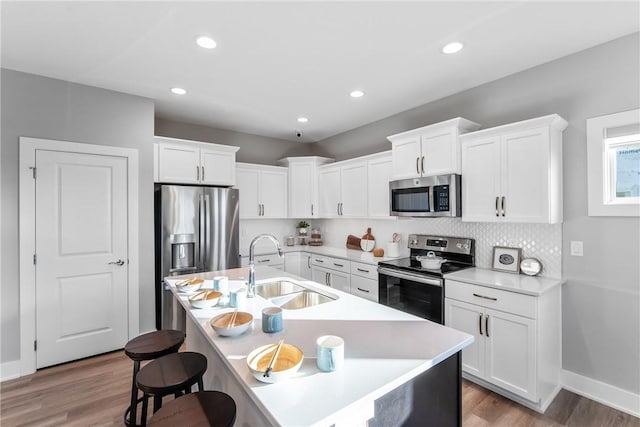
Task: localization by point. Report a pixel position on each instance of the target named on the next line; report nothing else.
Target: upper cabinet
(379, 169)
(513, 173)
(189, 162)
(343, 189)
(303, 185)
(429, 150)
(263, 191)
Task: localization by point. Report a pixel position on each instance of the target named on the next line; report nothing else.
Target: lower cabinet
(272, 260)
(516, 345)
(364, 281)
(332, 278)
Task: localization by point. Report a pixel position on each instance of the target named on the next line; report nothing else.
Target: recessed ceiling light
(206, 42)
(178, 91)
(356, 94)
(302, 120)
(453, 47)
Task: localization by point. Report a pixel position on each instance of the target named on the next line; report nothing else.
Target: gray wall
(601, 299)
(253, 148)
(53, 109)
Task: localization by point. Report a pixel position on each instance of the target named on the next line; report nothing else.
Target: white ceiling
(276, 61)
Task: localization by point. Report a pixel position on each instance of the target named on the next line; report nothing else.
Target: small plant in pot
(302, 228)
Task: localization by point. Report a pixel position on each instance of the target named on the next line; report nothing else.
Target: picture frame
(506, 259)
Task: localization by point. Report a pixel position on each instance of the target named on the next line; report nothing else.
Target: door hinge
(35, 345)
(33, 171)
(35, 259)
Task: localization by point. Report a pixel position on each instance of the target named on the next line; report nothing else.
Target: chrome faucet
(252, 268)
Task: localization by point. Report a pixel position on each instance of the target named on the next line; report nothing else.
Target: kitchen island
(398, 370)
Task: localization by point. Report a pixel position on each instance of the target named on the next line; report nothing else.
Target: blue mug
(272, 319)
(330, 353)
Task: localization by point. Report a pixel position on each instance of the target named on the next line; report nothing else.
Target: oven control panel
(443, 244)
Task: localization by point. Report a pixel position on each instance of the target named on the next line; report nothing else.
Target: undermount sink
(301, 300)
(289, 295)
(278, 288)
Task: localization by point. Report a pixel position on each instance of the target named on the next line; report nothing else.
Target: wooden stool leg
(134, 396)
(145, 408)
(157, 403)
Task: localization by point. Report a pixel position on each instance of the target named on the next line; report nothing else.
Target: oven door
(409, 197)
(417, 294)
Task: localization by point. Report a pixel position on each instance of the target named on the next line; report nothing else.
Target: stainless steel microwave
(429, 196)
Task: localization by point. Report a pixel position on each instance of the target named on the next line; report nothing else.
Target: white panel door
(248, 183)
(178, 163)
(217, 167)
(329, 192)
(302, 189)
(273, 193)
(525, 176)
(406, 158)
(511, 352)
(340, 281)
(354, 190)
(82, 259)
(379, 175)
(481, 179)
(468, 318)
(440, 153)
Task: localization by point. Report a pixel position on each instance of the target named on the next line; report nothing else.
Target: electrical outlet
(576, 248)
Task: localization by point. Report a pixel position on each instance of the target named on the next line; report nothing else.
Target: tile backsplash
(541, 241)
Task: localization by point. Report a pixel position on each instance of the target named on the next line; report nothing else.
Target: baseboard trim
(9, 370)
(604, 393)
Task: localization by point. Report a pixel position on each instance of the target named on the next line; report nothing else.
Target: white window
(613, 152)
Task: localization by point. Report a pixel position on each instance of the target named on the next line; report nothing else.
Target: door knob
(118, 262)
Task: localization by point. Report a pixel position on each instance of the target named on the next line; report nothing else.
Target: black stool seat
(147, 347)
(201, 409)
(154, 344)
(171, 374)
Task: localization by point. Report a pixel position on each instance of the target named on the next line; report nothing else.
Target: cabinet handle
(197, 173)
(486, 325)
(338, 265)
(319, 260)
(503, 206)
(363, 290)
(308, 262)
(338, 208)
(259, 210)
(422, 164)
(363, 270)
(485, 297)
(497, 211)
(341, 208)
(202, 167)
(311, 209)
(264, 260)
(263, 210)
(329, 279)
(480, 323)
(418, 165)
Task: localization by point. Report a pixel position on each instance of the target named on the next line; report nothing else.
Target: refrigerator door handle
(201, 243)
(207, 234)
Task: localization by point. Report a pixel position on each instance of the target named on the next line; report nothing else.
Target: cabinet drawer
(268, 259)
(365, 288)
(497, 299)
(337, 264)
(365, 270)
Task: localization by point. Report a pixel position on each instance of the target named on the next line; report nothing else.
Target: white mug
(221, 284)
(330, 353)
(238, 297)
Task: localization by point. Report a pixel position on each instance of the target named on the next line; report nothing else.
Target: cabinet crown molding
(317, 159)
(204, 144)
(554, 121)
(461, 123)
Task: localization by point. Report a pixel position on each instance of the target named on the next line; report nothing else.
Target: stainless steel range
(405, 285)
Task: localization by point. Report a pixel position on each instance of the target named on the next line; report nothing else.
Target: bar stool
(200, 409)
(171, 374)
(148, 346)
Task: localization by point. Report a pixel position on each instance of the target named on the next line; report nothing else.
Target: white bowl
(205, 299)
(431, 261)
(224, 326)
(190, 285)
(284, 367)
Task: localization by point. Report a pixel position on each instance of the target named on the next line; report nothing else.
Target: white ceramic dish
(431, 261)
(205, 299)
(190, 285)
(228, 325)
(530, 266)
(284, 367)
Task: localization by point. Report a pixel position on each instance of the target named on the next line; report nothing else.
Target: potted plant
(302, 228)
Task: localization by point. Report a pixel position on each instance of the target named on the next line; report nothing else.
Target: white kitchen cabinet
(303, 185)
(192, 162)
(379, 170)
(429, 150)
(516, 340)
(272, 260)
(513, 173)
(333, 272)
(305, 265)
(263, 191)
(364, 281)
(292, 263)
(342, 189)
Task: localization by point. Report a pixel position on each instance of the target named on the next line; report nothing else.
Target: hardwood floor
(95, 392)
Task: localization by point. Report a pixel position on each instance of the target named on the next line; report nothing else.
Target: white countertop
(520, 283)
(384, 348)
(344, 253)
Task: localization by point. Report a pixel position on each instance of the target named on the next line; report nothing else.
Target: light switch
(576, 248)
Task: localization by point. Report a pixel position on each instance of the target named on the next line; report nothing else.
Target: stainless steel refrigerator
(196, 230)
